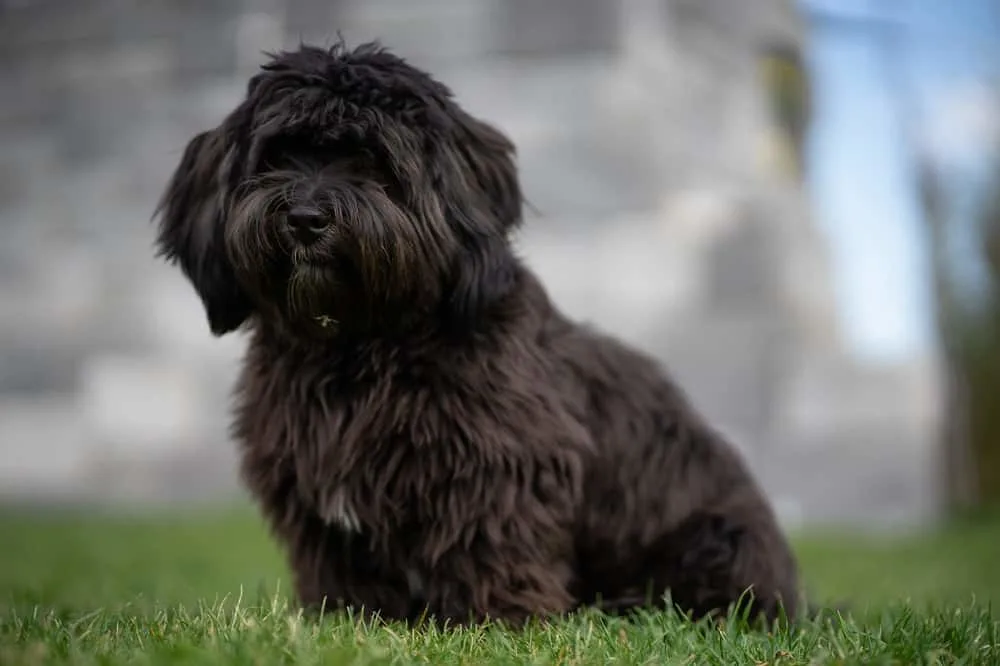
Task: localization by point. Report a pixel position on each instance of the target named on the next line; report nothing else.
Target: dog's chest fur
(338, 510)
(343, 461)
(376, 452)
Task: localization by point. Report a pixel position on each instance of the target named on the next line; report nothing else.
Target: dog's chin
(314, 299)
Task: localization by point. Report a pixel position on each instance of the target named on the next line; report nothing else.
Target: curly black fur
(421, 426)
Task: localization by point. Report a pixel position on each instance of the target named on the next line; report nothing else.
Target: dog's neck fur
(418, 334)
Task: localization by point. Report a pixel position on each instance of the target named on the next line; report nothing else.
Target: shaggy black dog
(424, 431)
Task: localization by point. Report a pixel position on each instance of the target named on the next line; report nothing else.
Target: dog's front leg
(517, 566)
(336, 570)
(527, 589)
(331, 567)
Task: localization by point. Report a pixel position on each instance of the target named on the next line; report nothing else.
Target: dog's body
(423, 429)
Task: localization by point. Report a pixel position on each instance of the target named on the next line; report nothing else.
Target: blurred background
(793, 204)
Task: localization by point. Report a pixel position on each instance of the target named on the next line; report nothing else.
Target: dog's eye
(280, 153)
(369, 159)
(289, 151)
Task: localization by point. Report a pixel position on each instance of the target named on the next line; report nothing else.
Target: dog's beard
(311, 295)
(378, 261)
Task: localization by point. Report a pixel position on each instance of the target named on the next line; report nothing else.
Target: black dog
(424, 431)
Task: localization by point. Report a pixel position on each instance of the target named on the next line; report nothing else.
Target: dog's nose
(306, 224)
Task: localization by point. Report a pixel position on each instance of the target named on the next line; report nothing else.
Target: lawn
(210, 587)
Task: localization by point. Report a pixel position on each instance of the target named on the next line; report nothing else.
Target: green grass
(211, 588)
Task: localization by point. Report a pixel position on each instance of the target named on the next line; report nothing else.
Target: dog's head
(348, 189)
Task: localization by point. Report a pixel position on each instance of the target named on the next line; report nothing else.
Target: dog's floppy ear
(486, 208)
(192, 228)
(484, 272)
(490, 158)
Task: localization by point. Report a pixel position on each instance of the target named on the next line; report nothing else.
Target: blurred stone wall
(645, 147)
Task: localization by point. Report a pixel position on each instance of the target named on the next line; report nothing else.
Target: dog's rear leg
(713, 560)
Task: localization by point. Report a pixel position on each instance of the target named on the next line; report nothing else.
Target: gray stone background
(647, 152)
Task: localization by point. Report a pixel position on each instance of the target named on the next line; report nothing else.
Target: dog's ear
(490, 158)
(486, 206)
(192, 229)
(484, 272)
